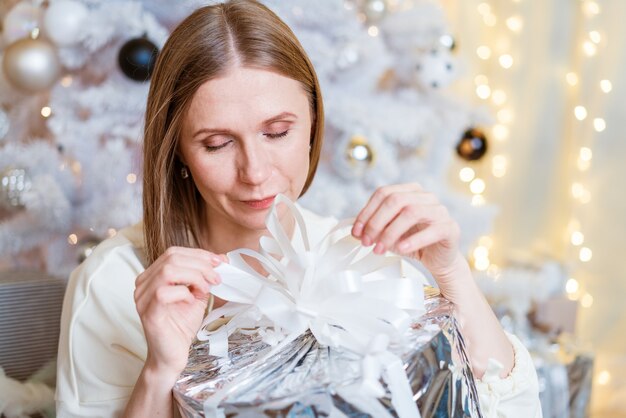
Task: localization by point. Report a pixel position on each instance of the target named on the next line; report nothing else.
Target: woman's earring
(184, 173)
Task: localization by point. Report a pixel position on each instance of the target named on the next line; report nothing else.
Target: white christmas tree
(71, 117)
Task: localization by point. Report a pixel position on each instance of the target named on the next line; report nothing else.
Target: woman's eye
(212, 148)
(277, 135)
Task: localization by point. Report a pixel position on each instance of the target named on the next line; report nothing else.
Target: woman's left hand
(407, 220)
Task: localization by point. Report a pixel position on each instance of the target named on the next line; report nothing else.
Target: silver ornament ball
(14, 182)
(31, 65)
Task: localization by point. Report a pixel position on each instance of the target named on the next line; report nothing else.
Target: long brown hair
(205, 45)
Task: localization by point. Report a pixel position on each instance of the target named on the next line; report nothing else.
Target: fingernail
(216, 260)
(379, 248)
(357, 229)
(217, 280)
(367, 241)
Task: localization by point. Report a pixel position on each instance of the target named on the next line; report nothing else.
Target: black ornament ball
(137, 58)
(473, 145)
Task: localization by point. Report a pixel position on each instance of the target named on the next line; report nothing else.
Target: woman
(235, 117)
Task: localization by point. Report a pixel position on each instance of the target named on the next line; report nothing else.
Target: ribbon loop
(350, 298)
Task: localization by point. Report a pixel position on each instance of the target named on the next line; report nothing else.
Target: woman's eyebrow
(280, 116)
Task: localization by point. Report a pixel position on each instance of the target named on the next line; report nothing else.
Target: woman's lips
(260, 204)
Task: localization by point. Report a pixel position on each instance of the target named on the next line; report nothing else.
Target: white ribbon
(349, 298)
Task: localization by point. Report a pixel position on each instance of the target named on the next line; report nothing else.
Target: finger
(184, 256)
(170, 276)
(392, 207)
(446, 232)
(374, 202)
(406, 223)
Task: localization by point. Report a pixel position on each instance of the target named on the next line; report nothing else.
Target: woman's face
(245, 139)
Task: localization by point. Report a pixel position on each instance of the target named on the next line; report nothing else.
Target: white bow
(349, 298)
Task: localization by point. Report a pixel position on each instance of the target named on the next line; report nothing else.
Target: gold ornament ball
(359, 153)
(31, 65)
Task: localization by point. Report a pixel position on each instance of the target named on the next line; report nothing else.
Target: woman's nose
(255, 164)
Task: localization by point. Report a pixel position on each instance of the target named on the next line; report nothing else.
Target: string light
(483, 91)
(586, 301)
(606, 86)
(595, 36)
(604, 377)
(481, 79)
(66, 81)
(372, 31)
(112, 232)
(506, 61)
(483, 52)
(580, 112)
(515, 23)
(591, 8)
(571, 78)
(46, 111)
(589, 48)
(131, 178)
(585, 254)
(599, 124)
(477, 186)
(577, 238)
(72, 239)
(571, 286)
(466, 174)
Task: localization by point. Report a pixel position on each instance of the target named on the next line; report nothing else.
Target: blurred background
(508, 110)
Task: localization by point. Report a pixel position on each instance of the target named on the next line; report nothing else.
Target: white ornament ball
(31, 65)
(435, 69)
(20, 21)
(64, 21)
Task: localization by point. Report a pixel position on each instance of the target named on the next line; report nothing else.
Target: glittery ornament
(31, 65)
(359, 153)
(137, 58)
(14, 182)
(5, 124)
(20, 21)
(473, 145)
(375, 10)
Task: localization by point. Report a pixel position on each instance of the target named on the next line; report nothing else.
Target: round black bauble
(473, 145)
(137, 58)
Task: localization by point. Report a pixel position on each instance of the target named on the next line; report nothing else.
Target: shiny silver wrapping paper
(300, 381)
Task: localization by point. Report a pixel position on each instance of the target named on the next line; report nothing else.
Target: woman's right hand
(171, 297)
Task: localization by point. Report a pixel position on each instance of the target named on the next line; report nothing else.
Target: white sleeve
(102, 347)
(515, 396)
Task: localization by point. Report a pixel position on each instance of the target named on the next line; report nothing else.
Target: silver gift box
(302, 379)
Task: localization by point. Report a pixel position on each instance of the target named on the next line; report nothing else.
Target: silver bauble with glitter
(31, 65)
(14, 183)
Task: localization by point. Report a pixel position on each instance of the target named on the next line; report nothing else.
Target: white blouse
(102, 347)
